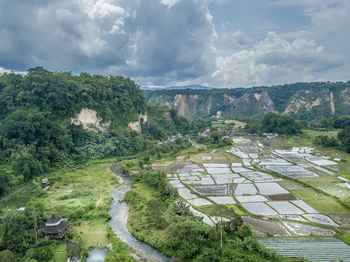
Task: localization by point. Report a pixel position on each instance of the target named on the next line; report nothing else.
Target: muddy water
(119, 212)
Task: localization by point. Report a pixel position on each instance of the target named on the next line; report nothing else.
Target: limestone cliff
(308, 100)
(136, 126)
(190, 105)
(303, 100)
(89, 120)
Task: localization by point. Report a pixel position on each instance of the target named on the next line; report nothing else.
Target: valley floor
(280, 188)
(283, 188)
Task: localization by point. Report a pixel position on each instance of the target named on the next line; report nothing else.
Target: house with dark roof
(55, 227)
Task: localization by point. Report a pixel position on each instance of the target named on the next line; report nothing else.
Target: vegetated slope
(302, 100)
(57, 119)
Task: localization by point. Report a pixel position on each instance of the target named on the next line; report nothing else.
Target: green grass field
(19, 199)
(93, 233)
(329, 184)
(80, 188)
(60, 254)
(86, 190)
(321, 202)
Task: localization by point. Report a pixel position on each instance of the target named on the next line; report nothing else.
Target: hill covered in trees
(39, 128)
(304, 101)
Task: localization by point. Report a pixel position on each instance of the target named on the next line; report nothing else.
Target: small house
(270, 135)
(55, 227)
(159, 143)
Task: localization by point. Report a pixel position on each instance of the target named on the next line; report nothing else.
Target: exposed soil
(212, 190)
(282, 197)
(305, 230)
(265, 227)
(342, 219)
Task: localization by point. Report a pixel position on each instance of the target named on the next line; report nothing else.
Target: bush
(40, 253)
(7, 256)
(186, 238)
(244, 231)
(275, 123)
(344, 137)
(326, 141)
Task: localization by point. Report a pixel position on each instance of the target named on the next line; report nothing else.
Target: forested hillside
(307, 101)
(42, 125)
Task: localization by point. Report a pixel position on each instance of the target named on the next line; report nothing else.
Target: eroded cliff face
(136, 126)
(89, 120)
(186, 105)
(254, 102)
(307, 100)
(345, 94)
(304, 100)
(190, 105)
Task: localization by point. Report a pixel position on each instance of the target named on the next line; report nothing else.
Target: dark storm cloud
(170, 41)
(219, 43)
(138, 38)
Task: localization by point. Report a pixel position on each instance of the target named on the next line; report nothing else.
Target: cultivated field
(289, 191)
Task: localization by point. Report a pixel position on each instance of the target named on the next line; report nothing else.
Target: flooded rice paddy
(315, 249)
(256, 183)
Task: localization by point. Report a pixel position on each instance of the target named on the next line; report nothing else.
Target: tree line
(275, 123)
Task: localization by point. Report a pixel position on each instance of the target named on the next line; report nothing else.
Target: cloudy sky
(220, 43)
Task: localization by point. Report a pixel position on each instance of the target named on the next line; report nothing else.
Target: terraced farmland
(268, 188)
(315, 249)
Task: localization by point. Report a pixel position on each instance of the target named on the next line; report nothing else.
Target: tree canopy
(275, 123)
(36, 130)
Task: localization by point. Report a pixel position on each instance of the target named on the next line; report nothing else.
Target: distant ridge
(306, 101)
(195, 87)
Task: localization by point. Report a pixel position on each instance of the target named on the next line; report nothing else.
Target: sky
(218, 43)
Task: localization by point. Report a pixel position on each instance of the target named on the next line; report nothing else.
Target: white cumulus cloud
(274, 60)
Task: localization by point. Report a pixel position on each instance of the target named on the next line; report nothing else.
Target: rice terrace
(175, 131)
(275, 190)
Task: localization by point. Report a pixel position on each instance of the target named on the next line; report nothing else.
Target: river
(119, 213)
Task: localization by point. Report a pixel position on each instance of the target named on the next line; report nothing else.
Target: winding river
(119, 213)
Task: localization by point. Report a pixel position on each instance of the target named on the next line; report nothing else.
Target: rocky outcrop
(332, 103)
(229, 98)
(257, 102)
(186, 105)
(136, 126)
(306, 100)
(89, 120)
(346, 95)
(190, 105)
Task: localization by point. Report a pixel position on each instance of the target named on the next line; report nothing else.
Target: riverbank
(83, 195)
(119, 217)
(156, 217)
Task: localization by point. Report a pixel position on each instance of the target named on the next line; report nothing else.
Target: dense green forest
(37, 134)
(274, 123)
